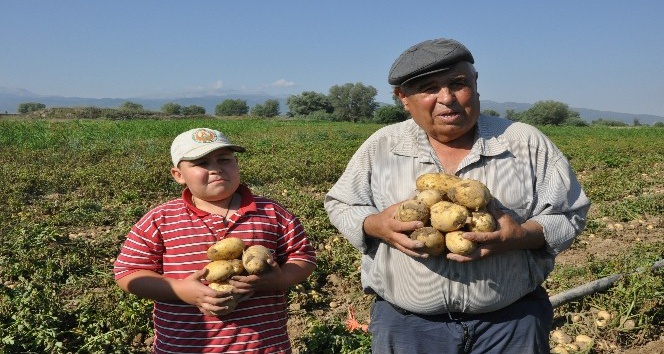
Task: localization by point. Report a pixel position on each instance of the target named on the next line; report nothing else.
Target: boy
(166, 250)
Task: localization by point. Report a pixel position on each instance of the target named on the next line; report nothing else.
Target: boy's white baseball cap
(198, 142)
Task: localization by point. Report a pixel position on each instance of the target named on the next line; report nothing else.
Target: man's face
(445, 104)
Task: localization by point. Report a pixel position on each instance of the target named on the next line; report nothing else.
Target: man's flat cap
(427, 58)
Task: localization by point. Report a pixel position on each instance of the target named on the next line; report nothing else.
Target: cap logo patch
(204, 136)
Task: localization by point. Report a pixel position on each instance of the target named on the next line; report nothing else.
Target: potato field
(73, 188)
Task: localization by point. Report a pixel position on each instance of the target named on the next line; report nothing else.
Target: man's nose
(445, 96)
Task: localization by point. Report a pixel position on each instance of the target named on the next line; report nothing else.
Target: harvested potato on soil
(603, 319)
(583, 341)
(559, 349)
(436, 180)
(459, 245)
(434, 241)
(412, 210)
(470, 193)
(232, 304)
(255, 259)
(446, 216)
(429, 197)
(219, 270)
(228, 248)
(561, 337)
(481, 221)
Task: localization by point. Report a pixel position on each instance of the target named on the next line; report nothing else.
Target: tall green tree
(513, 115)
(231, 107)
(193, 110)
(268, 109)
(491, 112)
(131, 106)
(353, 102)
(390, 114)
(27, 107)
(171, 108)
(548, 113)
(307, 103)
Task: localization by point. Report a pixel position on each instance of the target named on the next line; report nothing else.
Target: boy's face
(213, 177)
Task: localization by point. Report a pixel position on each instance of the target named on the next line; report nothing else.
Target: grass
(73, 188)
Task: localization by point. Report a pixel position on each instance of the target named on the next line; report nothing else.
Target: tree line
(355, 102)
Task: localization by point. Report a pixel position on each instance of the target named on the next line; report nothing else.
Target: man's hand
(383, 226)
(510, 235)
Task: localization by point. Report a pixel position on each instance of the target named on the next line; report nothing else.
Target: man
(490, 301)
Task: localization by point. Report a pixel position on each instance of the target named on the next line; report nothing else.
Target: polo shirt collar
(247, 205)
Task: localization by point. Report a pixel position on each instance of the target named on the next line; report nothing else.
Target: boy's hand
(192, 291)
(270, 280)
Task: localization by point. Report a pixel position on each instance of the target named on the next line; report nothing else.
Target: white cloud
(282, 83)
(217, 84)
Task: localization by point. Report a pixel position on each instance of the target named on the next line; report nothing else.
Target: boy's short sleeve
(142, 250)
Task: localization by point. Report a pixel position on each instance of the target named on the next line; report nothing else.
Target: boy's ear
(177, 175)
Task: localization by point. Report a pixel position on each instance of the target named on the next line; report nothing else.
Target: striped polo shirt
(173, 238)
(524, 171)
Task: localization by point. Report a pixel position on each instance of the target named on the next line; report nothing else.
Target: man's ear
(177, 175)
(398, 93)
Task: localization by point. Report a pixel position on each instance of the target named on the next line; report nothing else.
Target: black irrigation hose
(593, 287)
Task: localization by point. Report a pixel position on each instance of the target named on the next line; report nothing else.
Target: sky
(604, 55)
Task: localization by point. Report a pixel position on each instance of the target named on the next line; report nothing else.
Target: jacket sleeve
(561, 206)
(350, 200)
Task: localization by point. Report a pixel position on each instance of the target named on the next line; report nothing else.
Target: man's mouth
(448, 115)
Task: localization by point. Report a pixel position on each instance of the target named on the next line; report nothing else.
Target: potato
(583, 341)
(481, 221)
(228, 248)
(459, 245)
(603, 318)
(436, 180)
(434, 241)
(238, 267)
(430, 197)
(255, 259)
(232, 304)
(412, 210)
(559, 349)
(447, 216)
(219, 270)
(470, 193)
(561, 337)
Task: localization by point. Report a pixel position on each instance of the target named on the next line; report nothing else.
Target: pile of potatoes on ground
(448, 206)
(562, 343)
(229, 257)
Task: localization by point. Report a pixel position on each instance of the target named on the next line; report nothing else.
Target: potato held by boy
(232, 304)
(255, 259)
(228, 248)
(218, 271)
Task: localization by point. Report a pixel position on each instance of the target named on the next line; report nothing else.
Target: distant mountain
(10, 98)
